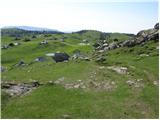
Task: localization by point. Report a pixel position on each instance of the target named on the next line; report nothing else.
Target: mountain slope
(30, 28)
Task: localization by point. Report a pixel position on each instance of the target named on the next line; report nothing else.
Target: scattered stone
(15, 89)
(83, 87)
(69, 85)
(4, 47)
(50, 54)
(3, 69)
(20, 63)
(77, 86)
(105, 45)
(16, 44)
(62, 39)
(112, 46)
(50, 83)
(66, 116)
(100, 59)
(130, 82)
(79, 80)
(157, 47)
(101, 51)
(35, 83)
(85, 41)
(40, 59)
(120, 70)
(83, 44)
(78, 55)
(143, 55)
(113, 83)
(137, 83)
(5, 86)
(60, 80)
(43, 42)
(101, 67)
(155, 83)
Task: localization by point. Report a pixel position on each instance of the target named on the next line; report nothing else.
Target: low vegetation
(124, 84)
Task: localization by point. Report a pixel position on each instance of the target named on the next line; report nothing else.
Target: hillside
(85, 74)
(18, 31)
(29, 28)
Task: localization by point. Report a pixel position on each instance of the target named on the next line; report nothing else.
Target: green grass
(46, 71)
(56, 101)
(75, 103)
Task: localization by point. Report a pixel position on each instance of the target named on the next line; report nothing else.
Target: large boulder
(129, 43)
(60, 57)
(113, 46)
(143, 36)
(156, 26)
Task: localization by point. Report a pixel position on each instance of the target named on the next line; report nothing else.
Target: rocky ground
(80, 75)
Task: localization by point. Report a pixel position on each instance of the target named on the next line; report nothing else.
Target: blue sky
(127, 16)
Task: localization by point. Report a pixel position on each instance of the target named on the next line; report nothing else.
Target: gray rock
(40, 59)
(66, 116)
(155, 83)
(3, 69)
(35, 83)
(112, 46)
(60, 57)
(136, 83)
(16, 44)
(50, 83)
(50, 54)
(20, 63)
(78, 55)
(156, 26)
(101, 51)
(43, 42)
(129, 43)
(105, 45)
(120, 70)
(143, 55)
(4, 47)
(14, 89)
(100, 59)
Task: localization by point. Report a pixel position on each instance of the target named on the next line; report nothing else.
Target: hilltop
(29, 28)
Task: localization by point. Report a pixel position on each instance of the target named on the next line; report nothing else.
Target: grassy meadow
(55, 101)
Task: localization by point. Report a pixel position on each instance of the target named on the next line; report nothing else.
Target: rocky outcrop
(17, 89)
(156, 26)
(141, 38)
(77, 54)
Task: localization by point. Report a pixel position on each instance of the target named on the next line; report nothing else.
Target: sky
(125, 16)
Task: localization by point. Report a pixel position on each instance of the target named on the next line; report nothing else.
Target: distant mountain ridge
(30, 28)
